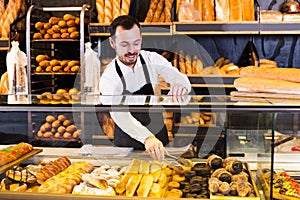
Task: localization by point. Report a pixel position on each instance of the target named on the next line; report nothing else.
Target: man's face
(127, 44)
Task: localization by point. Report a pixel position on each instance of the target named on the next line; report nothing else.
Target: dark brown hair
(126, 21)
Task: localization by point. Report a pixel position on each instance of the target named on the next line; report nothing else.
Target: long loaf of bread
(253, 84)
(151, 11)
(208, 10)
(158, 11)
(108, 15)
(248, 10)
(287, 74)
(235, 10)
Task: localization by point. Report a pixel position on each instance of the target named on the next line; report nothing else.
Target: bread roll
(208, 10)
(253, 84)
(287, 74)
(235, 10)
(248, 10)
(287, 17)
(270, 16)
(222, 10)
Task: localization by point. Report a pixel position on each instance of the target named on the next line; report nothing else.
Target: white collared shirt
(111, 84)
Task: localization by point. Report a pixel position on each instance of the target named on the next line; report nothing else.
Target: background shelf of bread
(205, 119)
(58, 127)
(60, 96)
(192, 65)
(46, 65)
(65, 27)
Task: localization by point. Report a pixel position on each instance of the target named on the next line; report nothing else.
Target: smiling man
(136, 72)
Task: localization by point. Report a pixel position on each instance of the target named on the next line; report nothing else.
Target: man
(135, 71)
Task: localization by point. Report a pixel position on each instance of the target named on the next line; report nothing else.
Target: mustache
(131, 54)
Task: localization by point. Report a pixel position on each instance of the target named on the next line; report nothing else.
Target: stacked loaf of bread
(59, 127)
(269, 80)
(48, 65)
(58, 28)
(61, 96)
(12, 153)
(217, 10)
(108, 10)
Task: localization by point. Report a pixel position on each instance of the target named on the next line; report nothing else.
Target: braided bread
(116, 8)
(52, 168)
(100, 6)
(158, 11)
(125, 7)
(151, 11)
(167, 10)
(2, 7)
(108, 11)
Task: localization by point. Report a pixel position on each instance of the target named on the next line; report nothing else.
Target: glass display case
(260, 132)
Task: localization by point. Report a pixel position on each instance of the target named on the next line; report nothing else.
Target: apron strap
(145, 69)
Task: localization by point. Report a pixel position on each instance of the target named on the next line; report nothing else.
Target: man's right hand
(155, 148)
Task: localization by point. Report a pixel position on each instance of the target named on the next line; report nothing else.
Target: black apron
(153, 121)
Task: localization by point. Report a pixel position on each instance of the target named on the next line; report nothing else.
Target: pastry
(145, 185)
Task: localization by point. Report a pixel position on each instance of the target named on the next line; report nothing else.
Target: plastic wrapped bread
(222, 10)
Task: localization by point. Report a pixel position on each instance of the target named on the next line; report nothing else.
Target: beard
(126, 60)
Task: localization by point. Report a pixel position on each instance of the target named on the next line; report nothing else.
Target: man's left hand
(178, 89)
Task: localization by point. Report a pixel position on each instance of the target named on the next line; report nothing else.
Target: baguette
(287, 74)
(257, 85)
(158, 11)
(125, 8)
(116, 8)
(151, 11)
(132, 184)
(108, 15)
(145, 186)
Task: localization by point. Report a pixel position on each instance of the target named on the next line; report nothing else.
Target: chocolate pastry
(196, 180)
(185, 191)
(184, 184)
(202, 171)
(191, 195)
(214, 162)
(195, 188)
(189, 175)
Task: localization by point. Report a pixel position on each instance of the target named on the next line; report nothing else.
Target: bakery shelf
(55, 40)
(101, 29)
(55, 73)
(280, 28)
(4, 44)
(215, 27)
